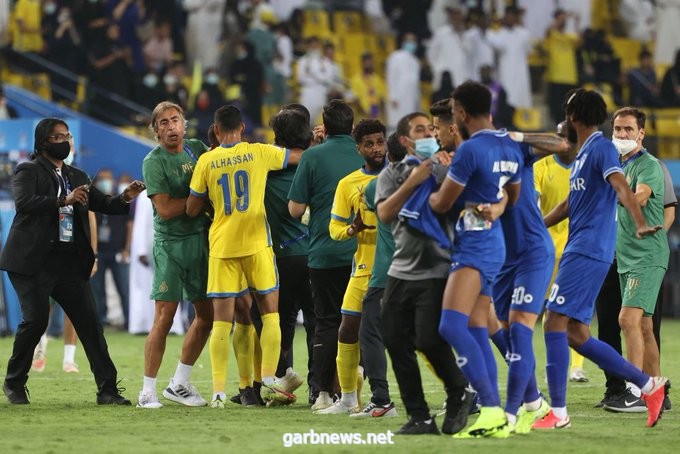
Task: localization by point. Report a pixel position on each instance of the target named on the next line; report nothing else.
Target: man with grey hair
(180, 256)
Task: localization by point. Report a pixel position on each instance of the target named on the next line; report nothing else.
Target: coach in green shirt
(330, 262)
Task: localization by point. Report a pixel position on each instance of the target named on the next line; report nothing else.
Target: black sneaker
(16, 395)
(457, 412)
(248, 397)
(609, 397)
(419, 427)
(667, 400)
(626, 402)
(236, 398)
(111, 395)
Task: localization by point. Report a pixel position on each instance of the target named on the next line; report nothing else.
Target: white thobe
(403, 86)
(446, 53)
(203, 31)
(667, 31)
(315, 76)
(478, 51)
(513, 47)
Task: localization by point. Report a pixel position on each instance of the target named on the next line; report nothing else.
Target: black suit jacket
(35, 228)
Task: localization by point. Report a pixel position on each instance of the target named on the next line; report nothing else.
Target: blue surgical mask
(69, 159)
(410, 46)
(426, 147)
(122, 187)
(105, 186)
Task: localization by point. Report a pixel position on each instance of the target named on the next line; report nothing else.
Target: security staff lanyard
(65, 212)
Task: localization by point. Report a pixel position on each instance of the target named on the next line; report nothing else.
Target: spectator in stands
(173, 86)
(596, 59)
(501, 112)
(446, 51)
(130, 14)
(314, 75)
(644, 90)
(670, 85)
(282, 66)
(203, 31)
(337, 78)
(203, 113)
(667, 31)
(369, 89)
(409, 16)
(445, 89)
(148, 90)
(638, 18)
(111, 63)
(158, 49)
(513, 44)
(478, 51)
(114, 251)
(262, 38)
(247, 72)
(402, 74)
(561, 69)
(6, 112)
(27, 34)
(62, 40)
(92, 19)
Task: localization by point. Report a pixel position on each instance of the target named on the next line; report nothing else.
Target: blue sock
(481, 335)
(532, 392)
(501, 340)
(608, 359)
(557, 352)
(521, 367)
(453, 327)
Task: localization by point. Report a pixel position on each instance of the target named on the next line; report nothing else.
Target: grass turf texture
(63, 416)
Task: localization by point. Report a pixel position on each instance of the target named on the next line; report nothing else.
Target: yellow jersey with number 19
(551, 178)
(234, 177)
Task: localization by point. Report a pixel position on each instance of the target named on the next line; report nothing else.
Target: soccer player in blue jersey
(487, 163)
(595, 183)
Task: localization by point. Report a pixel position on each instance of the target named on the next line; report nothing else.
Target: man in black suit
(48, 253)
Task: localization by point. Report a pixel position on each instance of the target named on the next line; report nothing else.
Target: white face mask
(122, 187)
(69, 159)
(624, 146)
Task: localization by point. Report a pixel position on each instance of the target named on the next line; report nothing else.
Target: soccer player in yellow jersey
(233, 176)
(350, 217)
(551, 178)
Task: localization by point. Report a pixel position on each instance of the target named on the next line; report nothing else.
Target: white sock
(533, 406)
(182, 373)
(221, 395)
(512, 419)
(69, 353)
(560, 412)
(349, 399)
(634, 390)
(648, 386)
(149, 384)
(267, 381)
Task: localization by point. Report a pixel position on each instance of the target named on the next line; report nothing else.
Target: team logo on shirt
(163, 287)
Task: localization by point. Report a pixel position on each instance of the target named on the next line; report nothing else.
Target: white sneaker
(291, 381)
(40, 355)
(323, 401)
(70, 368)
(339, 408)
(148, 399)
(184, 393)
(218, 400)
(578, 375)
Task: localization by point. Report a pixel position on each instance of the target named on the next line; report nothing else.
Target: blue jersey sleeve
(608, 159)
(463, 165)
(528, 154)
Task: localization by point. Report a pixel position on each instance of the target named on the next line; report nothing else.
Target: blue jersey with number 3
(592, 200)
(484, 164)
(234, 178)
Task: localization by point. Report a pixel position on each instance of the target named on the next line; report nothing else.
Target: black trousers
(295, 294)
(411, 311)
(608, 307)
(372, 346)
(61, 281)
(328, 289)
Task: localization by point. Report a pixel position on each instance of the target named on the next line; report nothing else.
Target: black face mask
(59, 150)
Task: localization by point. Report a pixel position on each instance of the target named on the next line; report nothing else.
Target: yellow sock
(243, 349)
(576, 359)
(429, 365)
(270, 342)
(348, 362)
(219, 354)
(257, 357)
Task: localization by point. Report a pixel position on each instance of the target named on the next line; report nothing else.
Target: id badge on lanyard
(66, 219)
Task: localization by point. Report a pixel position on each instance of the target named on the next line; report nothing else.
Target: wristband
(518, 136)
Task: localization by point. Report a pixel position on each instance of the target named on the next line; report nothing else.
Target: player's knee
(628, 321)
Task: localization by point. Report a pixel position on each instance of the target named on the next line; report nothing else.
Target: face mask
(212, 79)
(122, 187)
(624, 146)
(69, 159)
(59, 150)
(50, 8)
(169, 79)
(314, 52)
(241, 55)
(426, 147)
(106, 186)
(410, 46)
(150, 80)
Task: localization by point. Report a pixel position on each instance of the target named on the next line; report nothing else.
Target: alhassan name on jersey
(232, 160)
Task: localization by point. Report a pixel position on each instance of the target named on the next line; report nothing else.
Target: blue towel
(419, 216)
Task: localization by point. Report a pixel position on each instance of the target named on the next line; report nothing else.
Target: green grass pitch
(63, 416)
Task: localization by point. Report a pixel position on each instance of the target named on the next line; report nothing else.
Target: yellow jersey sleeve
(341, 212)
(276, 158)
(199, 183)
